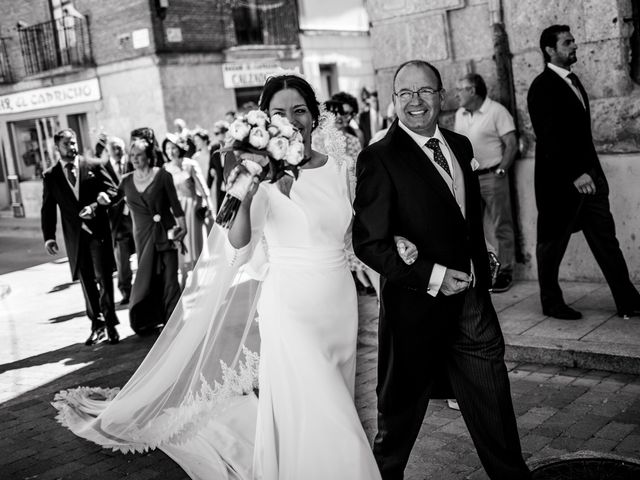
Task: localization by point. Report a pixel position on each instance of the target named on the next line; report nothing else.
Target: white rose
(239, 129)
(295, 154)
(257, 118)
(273, 130)
(278, 148)
(259, 138)
(285, 127)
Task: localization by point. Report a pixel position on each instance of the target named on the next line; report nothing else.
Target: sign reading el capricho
(57, 96)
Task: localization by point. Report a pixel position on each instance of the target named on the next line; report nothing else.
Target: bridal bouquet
(274, 139)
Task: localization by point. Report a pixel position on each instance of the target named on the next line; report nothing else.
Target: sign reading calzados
(239, 75)
(60, 95)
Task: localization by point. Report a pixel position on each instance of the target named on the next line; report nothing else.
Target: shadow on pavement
(62, 286)
(41, 448)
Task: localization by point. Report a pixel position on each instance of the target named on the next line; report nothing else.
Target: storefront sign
(60, 95)
(240, 75)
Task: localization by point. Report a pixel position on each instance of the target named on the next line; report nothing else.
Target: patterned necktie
(438, 156)
(70, 174)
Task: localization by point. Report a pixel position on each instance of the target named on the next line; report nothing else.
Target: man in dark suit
(571, 188)
(77, 187)
(117, 164)
(438, 329)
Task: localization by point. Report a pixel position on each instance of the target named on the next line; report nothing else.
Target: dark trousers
(167, 265)
(95, 274)
(480, 382)
(123, 249)
(599, 230)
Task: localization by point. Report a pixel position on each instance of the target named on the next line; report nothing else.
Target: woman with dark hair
(155, 209)
(194, 198)
(307, 307)
(350, 113)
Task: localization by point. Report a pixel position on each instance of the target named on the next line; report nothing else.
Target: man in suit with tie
(121, 225)
(76, 187)
(570, 186)
(438, 330)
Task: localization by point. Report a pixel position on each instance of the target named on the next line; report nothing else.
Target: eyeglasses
(424, 93)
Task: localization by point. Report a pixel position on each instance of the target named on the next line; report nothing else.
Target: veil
(195, 384)
(193, 395)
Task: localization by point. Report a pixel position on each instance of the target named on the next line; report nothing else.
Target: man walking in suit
(571, 189)
(121, 226)
(76, 186)
(438, 330)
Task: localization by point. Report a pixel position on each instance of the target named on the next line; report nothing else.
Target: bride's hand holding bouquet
(266, 149)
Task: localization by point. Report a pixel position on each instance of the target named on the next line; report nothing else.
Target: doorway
(32, 145)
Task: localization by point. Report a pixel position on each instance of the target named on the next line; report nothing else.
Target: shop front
(28, 123)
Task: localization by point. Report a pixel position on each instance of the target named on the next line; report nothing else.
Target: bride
(194, 398)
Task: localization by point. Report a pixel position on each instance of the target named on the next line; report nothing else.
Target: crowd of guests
(157, 200)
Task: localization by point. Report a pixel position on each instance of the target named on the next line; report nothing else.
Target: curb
(573, 353)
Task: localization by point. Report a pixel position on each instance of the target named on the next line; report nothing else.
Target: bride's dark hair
(281, 82)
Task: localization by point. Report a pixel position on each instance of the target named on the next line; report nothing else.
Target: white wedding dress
(304, 425)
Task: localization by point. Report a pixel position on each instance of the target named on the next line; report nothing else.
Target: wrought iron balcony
(266, 22)
(5, 68)
(57, 43)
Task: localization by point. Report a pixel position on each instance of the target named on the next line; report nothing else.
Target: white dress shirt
(564, 74)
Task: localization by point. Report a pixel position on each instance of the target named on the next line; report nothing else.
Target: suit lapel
(562, 86)
(409, 151)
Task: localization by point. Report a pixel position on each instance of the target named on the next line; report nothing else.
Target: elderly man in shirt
(491, 129)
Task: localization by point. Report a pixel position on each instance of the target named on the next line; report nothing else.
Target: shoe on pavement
(503, 283)
(96, 336)
(453, 404)
(627, 314)
(562, 312)
(112, 333)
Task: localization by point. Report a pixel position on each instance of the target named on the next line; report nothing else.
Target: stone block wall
(457, 37)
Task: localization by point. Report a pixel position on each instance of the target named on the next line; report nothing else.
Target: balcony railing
(5, 68)
(56, 43)
(266, 23)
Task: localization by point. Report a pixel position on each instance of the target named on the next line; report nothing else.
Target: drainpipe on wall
(507, 96)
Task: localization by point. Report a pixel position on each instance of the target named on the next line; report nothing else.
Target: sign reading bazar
(239, 75)
(56, 96)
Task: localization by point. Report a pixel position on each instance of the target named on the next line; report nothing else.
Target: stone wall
(457, 37)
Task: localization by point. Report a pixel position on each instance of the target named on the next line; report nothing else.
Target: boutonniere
(474, 165)
(90, 174)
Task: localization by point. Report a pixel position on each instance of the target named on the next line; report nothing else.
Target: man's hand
(454, 282)
(407, 250)
(51, 246)
(103, 199)
(585, 185)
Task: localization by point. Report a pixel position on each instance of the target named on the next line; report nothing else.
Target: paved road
(42, 327)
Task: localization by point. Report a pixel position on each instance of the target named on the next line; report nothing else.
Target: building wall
(457, 37)
(350, 52)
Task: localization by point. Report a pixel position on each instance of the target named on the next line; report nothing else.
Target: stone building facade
(499, 39)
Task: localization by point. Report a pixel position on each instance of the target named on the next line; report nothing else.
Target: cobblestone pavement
(559, 410)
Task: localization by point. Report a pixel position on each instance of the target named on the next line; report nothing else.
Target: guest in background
(116, 166)
(153, 202)
(74, 186)
(370, 119)
(230, 116)
(185, 135)
(492, 132)
(215, 172)
(194, 197)
(147, 133)
(350, 108)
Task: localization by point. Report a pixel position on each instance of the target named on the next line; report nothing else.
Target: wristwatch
(500, 172)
